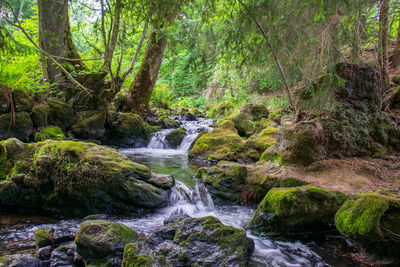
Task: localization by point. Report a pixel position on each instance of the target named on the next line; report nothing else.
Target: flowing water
(189, 197)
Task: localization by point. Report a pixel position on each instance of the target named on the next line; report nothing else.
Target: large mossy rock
(297, 209)
(225, 181)
(90, 126)
(61, 114)
(75, 179)
(193, 242)
(129, 129)
(175, 137)
(40, 115)
(98, 241)
(373, 219)
(222, 143)
(255, 145)
(22, 101)
(22, 129)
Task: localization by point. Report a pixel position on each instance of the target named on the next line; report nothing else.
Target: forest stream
(188, 197)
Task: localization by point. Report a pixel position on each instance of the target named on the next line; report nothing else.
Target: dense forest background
(214, 50)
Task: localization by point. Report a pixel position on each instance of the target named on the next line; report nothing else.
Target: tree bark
(55, 39)
(396, 53)
(145, 79)
(384, 43)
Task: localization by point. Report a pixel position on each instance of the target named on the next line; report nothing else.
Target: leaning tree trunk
(145, 80)
(55, 38)
(384, 43)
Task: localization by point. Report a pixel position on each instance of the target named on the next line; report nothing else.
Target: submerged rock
(192, 242)
(297, 209)
(175, 137)
(373, 219)
(98, 241)
(75, 179)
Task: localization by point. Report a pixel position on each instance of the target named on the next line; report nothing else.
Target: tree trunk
(384, 43)
(55, 38)
(145, 80)
(396, 53)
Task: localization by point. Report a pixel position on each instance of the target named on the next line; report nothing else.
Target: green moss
(43, 237)
(40, 115)
(291, 209)
(62, 114)
(369, 218)
(8, 191)
(50, 132)
(132, 259)
(99, 239)
(219, 144)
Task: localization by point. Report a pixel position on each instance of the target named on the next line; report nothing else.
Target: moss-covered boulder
(168, 123)
(193, 242)
(44, 237)
(223, 110)
(8, 190)
(297, 209)
(257, 111)
(22, 101)
(76, 178)
(224, 181)
(244, 124)
(256, 144)
(97, 240)
(175, 137)
(40, 115)
(61, 114)
(91, 125)
(373, 219)
(222, 143)
(50, 132)
(132, 257)
(22, 129)
(127, 128)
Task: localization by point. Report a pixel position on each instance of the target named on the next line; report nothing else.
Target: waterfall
(193, 129)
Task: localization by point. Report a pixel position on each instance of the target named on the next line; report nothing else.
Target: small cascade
(193, 129)
(158, 141)
(192, 202)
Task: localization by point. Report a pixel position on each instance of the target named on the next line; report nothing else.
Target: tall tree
(163, 15)
(55, 39)
(384, 43)
(396, 52)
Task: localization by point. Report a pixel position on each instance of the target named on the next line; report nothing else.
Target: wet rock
(168, 123)
(76, 178)
(175, 137)
(297, 209)
(190, 116)
(63, 255)
(44, 253)
(372, 219)
(90, 126)
(20, 260)
(164, 181)
(193, 241)
(40, 115)
(97, 240)
(61, 114)
(50, 132)
(22, 130)
(224, 181)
